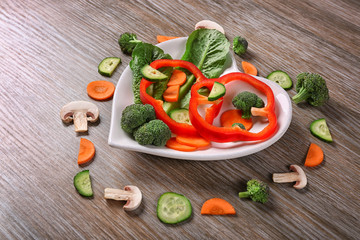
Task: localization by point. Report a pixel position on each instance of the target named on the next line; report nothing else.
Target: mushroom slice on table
(80, 112)
(131, 194)
(209, 25)
(297, 175)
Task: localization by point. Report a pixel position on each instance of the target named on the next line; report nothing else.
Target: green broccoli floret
(311, 87)
(128, 42)
(155, 132)
(240, 45)
(136, 115)
(245, 101)
(257, 190)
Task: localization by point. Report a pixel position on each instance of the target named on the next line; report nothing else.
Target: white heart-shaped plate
(123, 97)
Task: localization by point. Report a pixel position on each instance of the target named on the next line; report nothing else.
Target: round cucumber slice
(319, 129)
(281, 78)
(218, 90)
(173, 208)
(82, 183)
(152, 74)
(180, 115)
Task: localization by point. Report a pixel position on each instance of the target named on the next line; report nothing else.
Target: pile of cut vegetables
(188, 84)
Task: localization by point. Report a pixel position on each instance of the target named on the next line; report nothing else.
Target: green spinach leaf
(207, 49)
(145, 53)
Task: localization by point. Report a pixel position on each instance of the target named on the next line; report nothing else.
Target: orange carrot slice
(229, 117)
(173, 144)
(171, 94)
(217, 206)
(249, 68)
(314, 156)
(178, 77)
(161, 38)
(86, 151)
(100, 90)
(199, 141)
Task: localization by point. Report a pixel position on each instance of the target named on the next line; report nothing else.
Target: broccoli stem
(244, 194)
(302, 95)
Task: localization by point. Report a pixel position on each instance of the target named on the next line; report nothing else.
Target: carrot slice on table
(173, 144)
(199, 141)
(86, 151)
(249, 68)
(171, 94)
(178, 77)
(100, 90)
(314, 156)
(229, 117)
(161, 38)
(217, 206)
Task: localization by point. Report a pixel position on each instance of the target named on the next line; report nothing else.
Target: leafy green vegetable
(208, 50)
(145, 53)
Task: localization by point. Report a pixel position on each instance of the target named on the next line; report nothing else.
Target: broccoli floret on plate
(155, 132)
(136, 115)
(244, 101)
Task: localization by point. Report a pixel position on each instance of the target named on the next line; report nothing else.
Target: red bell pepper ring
(229, 134)
(182, 129)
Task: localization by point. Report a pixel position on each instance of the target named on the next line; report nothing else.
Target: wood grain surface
(49, 52)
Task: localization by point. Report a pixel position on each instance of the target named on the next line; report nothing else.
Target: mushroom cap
(302, 180)
(90, 109)
(209, 25)
(134, 200)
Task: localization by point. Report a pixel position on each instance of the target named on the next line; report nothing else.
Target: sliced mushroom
(80, 112)
(131, 194)
(297, 176)
(209, 25)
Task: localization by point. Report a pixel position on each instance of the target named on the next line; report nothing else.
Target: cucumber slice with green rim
(281, 78)
(319, 129)
(218, 90)
(240, 125)
(173, 208)
(108, 66)
(152, 74)
(180, 115)
(82, 183)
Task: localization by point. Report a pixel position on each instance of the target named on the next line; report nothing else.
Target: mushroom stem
(117, 194)
(285, 177)
(80, 122)
(259, 112)
(297, 175)
(131, 194)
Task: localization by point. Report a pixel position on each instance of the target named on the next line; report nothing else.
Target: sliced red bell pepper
(175, 127)
(229, 134)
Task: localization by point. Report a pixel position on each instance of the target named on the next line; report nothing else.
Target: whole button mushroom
(297, 175)
(209, 25)
(131, 194)
(80, 112)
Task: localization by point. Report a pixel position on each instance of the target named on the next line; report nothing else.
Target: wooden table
(49, 52)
